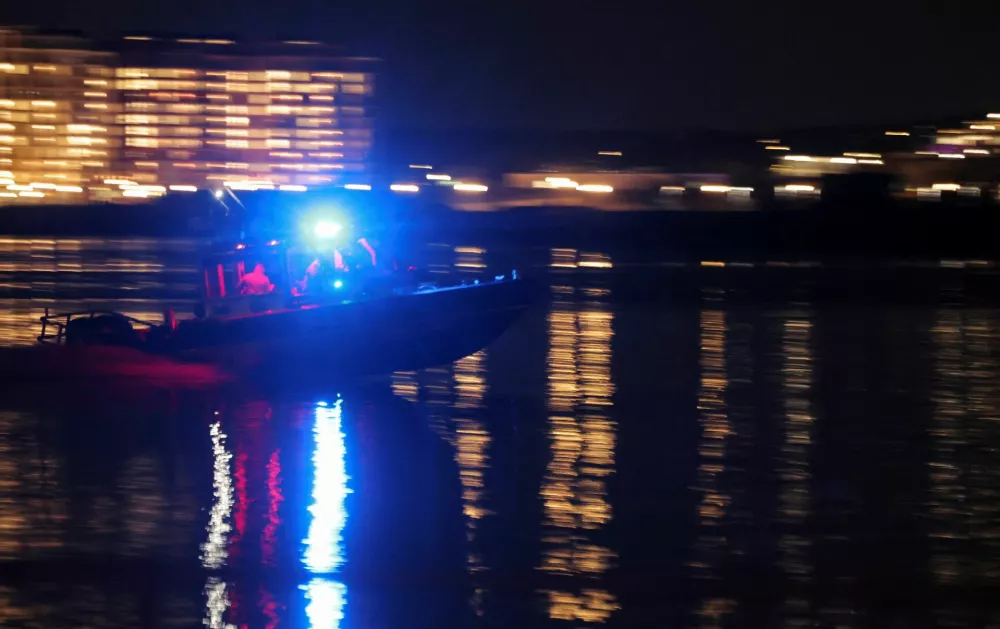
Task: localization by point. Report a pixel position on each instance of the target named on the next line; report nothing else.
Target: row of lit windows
(158, 142)
(239, 133)
(237, 75)
(268, 110)
(47, 69)
(7, 116)
(238, 121)
(41, 152)
(53, 128)
(178, 73)
(258, 88)
(48, 105)
(72, 140)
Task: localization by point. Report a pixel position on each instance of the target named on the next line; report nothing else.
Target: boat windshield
(245, 281)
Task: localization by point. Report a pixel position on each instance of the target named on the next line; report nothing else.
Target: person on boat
(256, 282)
(300, 287)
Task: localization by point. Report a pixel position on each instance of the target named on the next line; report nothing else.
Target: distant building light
(950, 187)
(924, 153)
(560, 182)
(843, 160)
(610, 153)
(769, 141)
(19, 188)
(119, 182)
(594, 187)
(864, 155)
(900, 133)
(993, 115)
(873, 162)
(138, 38)
(422, 166)
(800, 187)
(292, 188)
(951, 156)
(184, 188)
(69, 189)
(404, 187)
(470, 187)
(31, 193)
(303, 43)
(357, 186)
(671, 189)
(982, 127)
(798, 158)
(977, 151)
(777, 147)
(715, 188)
(134, 192)
(438, 177)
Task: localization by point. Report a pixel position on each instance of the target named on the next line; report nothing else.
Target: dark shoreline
(873, 231)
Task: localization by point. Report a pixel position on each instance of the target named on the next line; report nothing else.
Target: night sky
(736, 65)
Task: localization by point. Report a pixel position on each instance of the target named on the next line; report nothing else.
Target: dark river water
(661, 444)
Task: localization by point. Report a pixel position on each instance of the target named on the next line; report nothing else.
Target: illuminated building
(82, 120)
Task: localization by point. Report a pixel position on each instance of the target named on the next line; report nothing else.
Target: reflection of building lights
(982, 127)
(714, 188)
(184, 188)
(216, 604)
(292, 188)
(31, 193)
(798, 158)
(899, 133)
(357, 186)
(873, 162)
(951, 156)
(950, 187)
(976, 151)
(213, 551)
(438, 177)
(610, 153)
(324, 552)
(422, 166)
(470, 187)
(775, 147)
(326, 602)
(843, 160)
(798, 187)
(134, 192)
(865, 155)
(404, 187)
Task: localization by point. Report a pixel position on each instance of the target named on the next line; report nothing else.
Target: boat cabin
(249, 278)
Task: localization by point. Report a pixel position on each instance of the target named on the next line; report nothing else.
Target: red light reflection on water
(275, 498)
(242, 503)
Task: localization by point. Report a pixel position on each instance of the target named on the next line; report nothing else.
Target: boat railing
(54, 324)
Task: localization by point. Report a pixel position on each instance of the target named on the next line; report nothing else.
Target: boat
(283, 309)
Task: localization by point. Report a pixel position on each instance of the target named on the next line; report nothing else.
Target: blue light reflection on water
(326, 599)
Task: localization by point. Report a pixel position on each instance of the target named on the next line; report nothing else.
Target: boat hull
(400, 332)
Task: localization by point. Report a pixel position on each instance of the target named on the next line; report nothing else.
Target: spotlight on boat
(326, 229)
